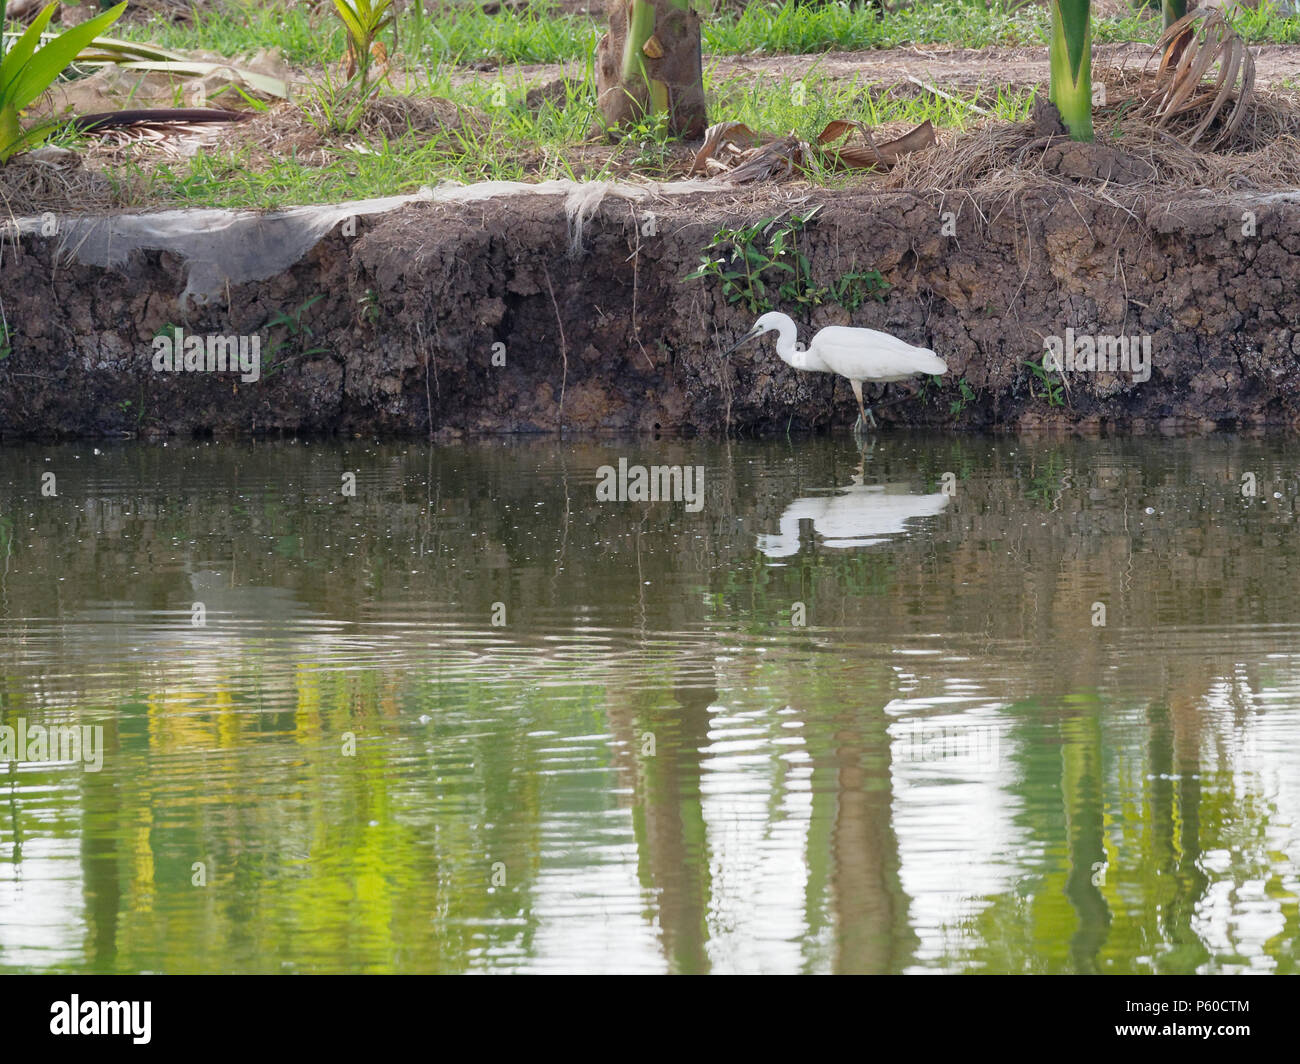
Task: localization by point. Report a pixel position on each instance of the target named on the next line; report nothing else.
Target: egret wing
(868, 355)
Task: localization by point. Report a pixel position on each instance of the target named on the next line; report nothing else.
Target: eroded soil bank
(476, 318)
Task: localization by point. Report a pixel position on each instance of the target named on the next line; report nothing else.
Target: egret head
(770, 322)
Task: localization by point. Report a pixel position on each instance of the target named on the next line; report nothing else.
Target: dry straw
(51, 179)
(1189, 119)
(1134, 149)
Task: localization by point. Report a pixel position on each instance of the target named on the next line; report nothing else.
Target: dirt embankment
(475, 318)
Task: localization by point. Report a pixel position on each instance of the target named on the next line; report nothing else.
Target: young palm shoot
(364, 20)
(27, 72)
(649, 64)
(1070, 60)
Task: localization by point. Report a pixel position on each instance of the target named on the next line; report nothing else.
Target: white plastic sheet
(231, 247)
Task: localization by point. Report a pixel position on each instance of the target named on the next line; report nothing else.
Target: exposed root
(579, 206)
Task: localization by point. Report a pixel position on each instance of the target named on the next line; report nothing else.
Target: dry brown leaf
(718, 135)
(856, 157)
(772, 158)
(1188, 51)
(836, 129)
(378, 51)
(872, 156)
(915, 139)
(776, 159)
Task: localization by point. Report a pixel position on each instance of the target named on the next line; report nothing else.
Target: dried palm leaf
(159, 117)
(872, 156)
(262, 84)
(112, 50)
(1184, 90)
(349, 64)
(717, 139)
(135, 55)
(733, 151)
(771, 161)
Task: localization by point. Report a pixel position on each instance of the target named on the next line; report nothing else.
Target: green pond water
(935, 704)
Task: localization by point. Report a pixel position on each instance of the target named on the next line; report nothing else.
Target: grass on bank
(515, 142)
(459, 32)
(504, 138)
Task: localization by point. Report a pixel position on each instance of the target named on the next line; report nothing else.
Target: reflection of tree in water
(1120, 873)
(1174, 799)
(668, 819)
(872, 934)
(1081, 789)
(103, 862)
(855, 911)
(1007, 581)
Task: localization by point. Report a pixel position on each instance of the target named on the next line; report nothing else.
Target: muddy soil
(442, 320)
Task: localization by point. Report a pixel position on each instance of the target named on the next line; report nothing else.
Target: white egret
(858, 354)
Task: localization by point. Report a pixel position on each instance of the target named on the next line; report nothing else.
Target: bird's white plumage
(861, 355)
(868, 355)
(858, 354)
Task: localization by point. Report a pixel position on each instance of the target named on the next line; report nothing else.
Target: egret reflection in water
(859, 515)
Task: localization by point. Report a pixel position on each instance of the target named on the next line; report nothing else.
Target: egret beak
(752, 334)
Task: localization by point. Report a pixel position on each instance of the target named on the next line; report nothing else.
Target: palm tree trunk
(649, 63)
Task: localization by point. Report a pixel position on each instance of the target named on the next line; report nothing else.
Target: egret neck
(787, 347)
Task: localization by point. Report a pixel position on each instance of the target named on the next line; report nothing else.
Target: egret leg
(865, 416)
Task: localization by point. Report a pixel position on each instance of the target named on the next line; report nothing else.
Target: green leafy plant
(857, 286)
(295, 329)
(788, 257)
(27, 71)
(740, 269)
(136, 410)
(364, 20)
(757, 259)
(651, 134)
(292, 321)
(932, 386)
(1053, 390)
(965, 396)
